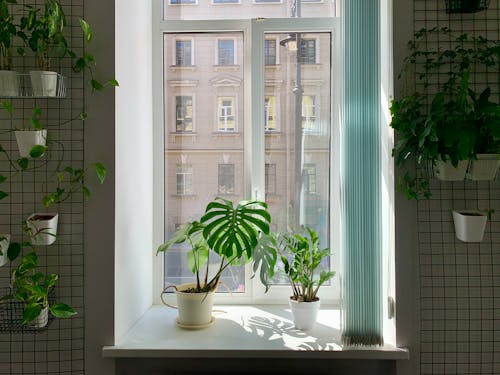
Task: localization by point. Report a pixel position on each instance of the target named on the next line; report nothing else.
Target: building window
(307, 52)
(270, 178)
(184, 179)
(270, 113)
(267, 1)
(309, 175)
(225, 52)
(183, 114)
(226, 1)
(270, 51)
(309, 113)
(180, 2)
(226, 116)
(226, 178)
(183, 53)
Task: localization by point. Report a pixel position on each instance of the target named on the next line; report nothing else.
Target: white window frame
(177, 174)
(235, 50)
(174, 51)
(254, 139)
(276, 129)
(192, 95)
(277, 50)
(235, 114)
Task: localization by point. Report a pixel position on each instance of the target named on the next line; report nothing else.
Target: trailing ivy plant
(450, 124)
(9, 31)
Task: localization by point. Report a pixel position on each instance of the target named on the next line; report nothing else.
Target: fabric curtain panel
(362, 192)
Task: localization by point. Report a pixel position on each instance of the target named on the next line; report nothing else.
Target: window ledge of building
(243, 331)
(182, 135)
(184, 195)
(233, 68)
(273, 67)
(226, 134)
(176, 68)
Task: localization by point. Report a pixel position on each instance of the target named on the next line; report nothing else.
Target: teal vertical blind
(362, 266)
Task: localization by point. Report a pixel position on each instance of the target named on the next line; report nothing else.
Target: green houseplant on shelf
(32, 288)
(225, 231)
(438, 132)
(302, 263)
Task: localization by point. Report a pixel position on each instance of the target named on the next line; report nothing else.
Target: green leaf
(7, 106)
(2, 179)
(3, 194)
(14, 250)
(86, 192)
(113, 82)
(61, 310)
(37, 151)
(31, 312)
(87, 30)
(96, 85)
(23, 163)
(100, 170)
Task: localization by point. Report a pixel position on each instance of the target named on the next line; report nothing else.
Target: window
(226, 116)
(309, 113)
(309, 175)
(183, 114)
(225, 52)
(226, 178)
(183, 53)
(270, 51)
(184, 179)
(226, 1)
(268, 1)
(179, 2)
(270, 178)
(307, 51)
(270, 113)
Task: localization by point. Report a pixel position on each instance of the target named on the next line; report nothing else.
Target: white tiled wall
(59, 350)
(459, 282)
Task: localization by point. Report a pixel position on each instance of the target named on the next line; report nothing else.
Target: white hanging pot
(9, 83)
(44, 83)
(445, 171)
(27, 139)
(469, 225)
(42, 228)
(485, 168)
(4, 247)
(195, 309)
(304, 313)
(41, 320)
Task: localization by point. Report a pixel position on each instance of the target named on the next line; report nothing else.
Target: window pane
(183, 53)
(225, 52)
(203, 153)
(270, 51)
(237, 9)
(298, 157)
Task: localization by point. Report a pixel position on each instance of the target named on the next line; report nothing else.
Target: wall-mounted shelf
(32, 85)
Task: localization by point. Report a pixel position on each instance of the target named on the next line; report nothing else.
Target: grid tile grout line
(60, 349)
(459, 282)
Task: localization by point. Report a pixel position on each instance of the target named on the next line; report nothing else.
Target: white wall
(134, 163)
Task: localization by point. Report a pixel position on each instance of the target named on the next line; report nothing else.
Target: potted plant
(9, 80)
(466, 6)
(438, 132)
(32, 141)
(42, 228)
(32, 289)
(4, 246)
(470, 224)
(226, 231)
(45, 38)
(301, 262)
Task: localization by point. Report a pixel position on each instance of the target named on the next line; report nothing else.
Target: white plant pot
(445, 171)
(4, 247)
(44, 83)
(42, 228)
(469, 225)
(195, 309)
(26, 139)
(485, 167)
(304, 313)
(9, 83)
(42, 319)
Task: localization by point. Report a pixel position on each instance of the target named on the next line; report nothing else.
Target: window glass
(309, 113)
(270, 178)
(270, 51)
(226, 178)
(183, 113)
(226, 1)
(307, 51)
(225, 55)
(225, 106)
(184, 179)
(178, 2)
(270, 113)
(183, 53)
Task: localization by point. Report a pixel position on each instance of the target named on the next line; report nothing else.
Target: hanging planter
(466, 6)
(27, 139)
(445, 171)
(4, 247)
(46, 83)
(485, 167)
(9, 83)
(469, 225)
(42, 228)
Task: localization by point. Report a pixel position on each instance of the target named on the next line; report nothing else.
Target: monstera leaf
(231, 230)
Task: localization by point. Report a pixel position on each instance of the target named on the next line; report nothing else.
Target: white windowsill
(242, 331)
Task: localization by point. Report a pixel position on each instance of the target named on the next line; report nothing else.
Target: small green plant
(9, 30)
(32, 288)
(229, 231)
(301, 258)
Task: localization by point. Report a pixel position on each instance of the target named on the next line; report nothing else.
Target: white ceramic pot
(469, 225)
(485, 168)
(42, 228)
(42, 319)
(304, 313)
(4, 246)
(26, 139)
(195, 309)
(44, 83)
(445, 171)
(9, 83)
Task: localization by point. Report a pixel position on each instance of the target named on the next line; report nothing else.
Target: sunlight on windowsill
(241, 330)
